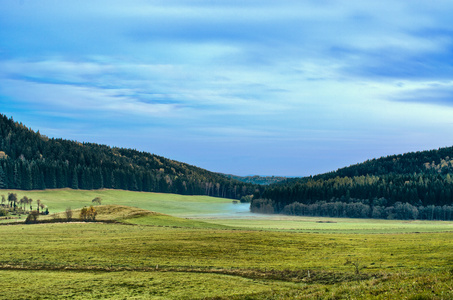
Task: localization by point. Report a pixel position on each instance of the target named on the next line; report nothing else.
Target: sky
(285, 88)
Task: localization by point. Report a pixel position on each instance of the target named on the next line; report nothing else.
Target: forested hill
(400, 186)
(432, 161)
(29, 160)
(255, 179)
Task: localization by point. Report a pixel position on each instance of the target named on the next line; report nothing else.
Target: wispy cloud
(301, 83)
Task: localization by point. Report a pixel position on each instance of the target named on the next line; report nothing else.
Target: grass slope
(134, 216)
(117, 261)
(265, 257)
(179, 205)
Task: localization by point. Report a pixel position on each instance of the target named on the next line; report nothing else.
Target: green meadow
(177, 205)
(334, 225)
(145, 248)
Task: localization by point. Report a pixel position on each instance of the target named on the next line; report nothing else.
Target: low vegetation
(102, 260)
(131, 252)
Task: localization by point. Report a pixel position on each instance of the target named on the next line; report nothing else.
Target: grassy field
(118, 261)
(151, 255)
(332, 225)
(176, 205)
(222, 212)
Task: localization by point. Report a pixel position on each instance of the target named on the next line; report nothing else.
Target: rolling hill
(406, 186)
(32, 161)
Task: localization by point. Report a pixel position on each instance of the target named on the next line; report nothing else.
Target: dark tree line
(358, 208)
(421, 181)
(29, 160)
(261, 180)
(416, 189)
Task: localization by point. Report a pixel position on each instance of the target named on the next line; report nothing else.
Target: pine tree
(2, 179)
(75, 180)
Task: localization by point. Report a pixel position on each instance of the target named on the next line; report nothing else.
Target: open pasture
(222, 213)
(332, 225)
(177, 205)
(103, 246)
(218, 254)
(96, 260)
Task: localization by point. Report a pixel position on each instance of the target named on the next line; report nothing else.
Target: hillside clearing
(177, 205)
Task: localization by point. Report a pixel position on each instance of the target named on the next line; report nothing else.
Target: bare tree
(30, 200)
(68, 214)
(21, 202)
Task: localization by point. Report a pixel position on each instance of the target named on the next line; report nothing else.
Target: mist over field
(224, 211)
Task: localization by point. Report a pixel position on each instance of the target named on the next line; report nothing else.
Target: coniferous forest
(415, 185)
(31, 161)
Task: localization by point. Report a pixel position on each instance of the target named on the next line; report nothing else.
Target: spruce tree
(2, 179)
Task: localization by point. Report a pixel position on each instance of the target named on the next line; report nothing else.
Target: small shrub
(83, 214)
(88, 214)
(91, 213)
(32, 217)
(355, 263)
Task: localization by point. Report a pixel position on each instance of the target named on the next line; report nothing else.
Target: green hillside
(32, 161)
(173, 204)
(415, 185)
(134, 216)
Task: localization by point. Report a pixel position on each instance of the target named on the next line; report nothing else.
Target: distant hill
(29, 160)
(411, 185)
(438, 161)
(261, 180)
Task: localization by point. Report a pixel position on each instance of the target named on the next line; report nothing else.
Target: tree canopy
(384, 187)
(30, 160)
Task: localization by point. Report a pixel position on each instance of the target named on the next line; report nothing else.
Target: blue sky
(289, 88)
